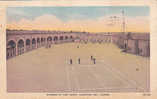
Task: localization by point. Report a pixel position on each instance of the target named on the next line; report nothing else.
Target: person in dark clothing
(94, 60)
(79, 61)
(91, 57)
(71, 62)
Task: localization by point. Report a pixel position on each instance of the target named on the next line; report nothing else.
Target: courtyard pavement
(49, 70)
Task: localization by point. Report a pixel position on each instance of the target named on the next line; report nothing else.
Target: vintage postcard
(77, 49)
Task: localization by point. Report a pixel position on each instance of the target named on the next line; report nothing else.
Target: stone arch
(49, 39)
(61, 38)
(66, 37)
(71, 37)
(42, 41)
(55, 38)
(33, 43)
(28, 44)
(20, 46)
(11, 49)
(38, 42)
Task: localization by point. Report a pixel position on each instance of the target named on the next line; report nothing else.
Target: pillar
(16, 50)
(24, 46)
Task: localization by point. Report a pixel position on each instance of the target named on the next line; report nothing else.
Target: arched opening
(20, 47)
(55, 38)
(38, 42)
(66, 37)
(71, 37)
(42, 41)
(33, 43)
(28, 45)
(61, 38)
(49, 40)
(11, 49)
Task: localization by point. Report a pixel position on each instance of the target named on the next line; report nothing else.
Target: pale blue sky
(68, 13)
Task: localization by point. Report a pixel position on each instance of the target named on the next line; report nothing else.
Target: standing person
(94, 60)
(71, 62)
(79, 61)
(91, 57)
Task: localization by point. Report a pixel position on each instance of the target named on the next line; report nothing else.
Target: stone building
(135, 43)
(21, 41)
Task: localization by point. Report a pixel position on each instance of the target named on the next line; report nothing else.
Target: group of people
(79, 61)
(93, 59)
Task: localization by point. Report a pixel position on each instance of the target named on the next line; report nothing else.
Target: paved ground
(48, 70)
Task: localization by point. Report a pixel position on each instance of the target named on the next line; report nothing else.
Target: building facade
(135, 43)
(21, 41)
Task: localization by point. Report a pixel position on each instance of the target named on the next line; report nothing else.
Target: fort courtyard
(81, 49)
(49, 69)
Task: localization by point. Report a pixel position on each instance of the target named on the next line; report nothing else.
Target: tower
(123, 22)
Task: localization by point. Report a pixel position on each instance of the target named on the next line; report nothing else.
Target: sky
(80, 18)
